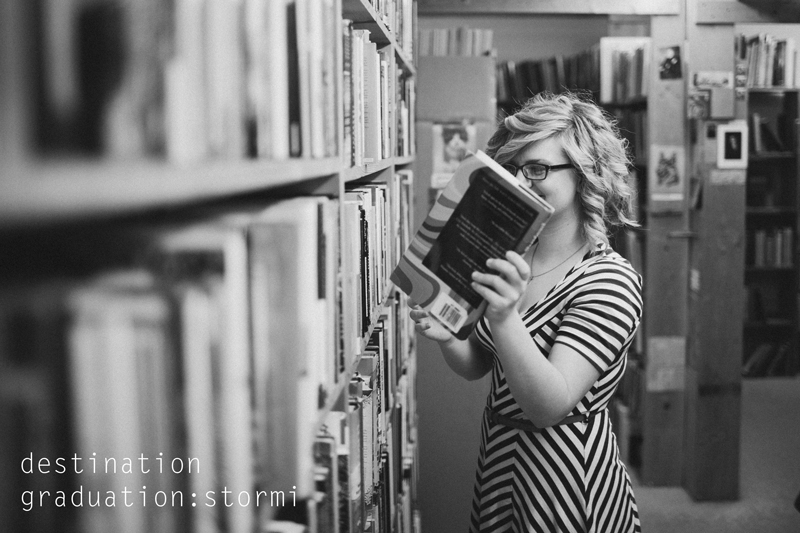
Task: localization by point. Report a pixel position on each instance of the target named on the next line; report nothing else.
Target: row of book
(379, 215)
(624, 69)
(398, 17)
(771, 359)
(519, 80)
(365, 454)
(615, 71)
(773, 247)
(457, 41)
(213, 363)
(769, 134)
(765, 60)
(770, 188)
(193, 80)
(378, 100)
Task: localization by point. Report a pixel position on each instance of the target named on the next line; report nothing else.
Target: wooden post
(666, 260)
(716, 298)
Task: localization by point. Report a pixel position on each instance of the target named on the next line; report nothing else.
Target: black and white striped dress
(567, 477)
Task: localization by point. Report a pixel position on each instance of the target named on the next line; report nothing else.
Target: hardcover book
(482, 213)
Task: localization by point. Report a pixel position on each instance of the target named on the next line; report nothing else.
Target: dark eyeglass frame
(514, 169)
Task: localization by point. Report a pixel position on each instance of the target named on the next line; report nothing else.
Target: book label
(449, 312)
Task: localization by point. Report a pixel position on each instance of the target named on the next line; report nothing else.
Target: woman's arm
(546, 389)
(467, 358)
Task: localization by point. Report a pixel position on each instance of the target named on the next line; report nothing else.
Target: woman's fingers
(432, 329)
(503, 287)
(498, 283)
(495, 290)
(523, 269)
(418, 314)
(488, 294)
(513, 269)
(503, 267)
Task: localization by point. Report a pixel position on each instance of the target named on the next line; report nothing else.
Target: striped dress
(568, 477)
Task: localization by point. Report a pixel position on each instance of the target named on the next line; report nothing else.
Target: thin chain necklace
(555, 267)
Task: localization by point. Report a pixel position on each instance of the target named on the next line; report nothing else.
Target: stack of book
(460, 41)
(193, 80)
(768, 134)
(624, 69)
(772, 247)
(770, 359)
(519, 80)
(197, 381)
(377, 97)
(767, 61)
(175, 365)
(615, 71)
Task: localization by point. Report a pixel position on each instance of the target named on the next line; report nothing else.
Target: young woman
(555, 333)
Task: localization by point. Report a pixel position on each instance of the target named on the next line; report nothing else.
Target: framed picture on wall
(732, 145)
(666, 181)
(451, 144)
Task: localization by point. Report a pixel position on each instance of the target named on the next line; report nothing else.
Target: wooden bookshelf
(55, 191)
(243, 257)
(60, 191)
(771, 224)
(365, 16)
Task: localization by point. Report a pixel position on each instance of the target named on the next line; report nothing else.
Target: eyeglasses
(535, 171)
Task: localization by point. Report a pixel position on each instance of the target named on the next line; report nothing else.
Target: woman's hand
(502, 290)
(429, 326)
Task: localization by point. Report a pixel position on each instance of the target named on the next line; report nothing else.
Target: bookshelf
(770, 345)
(200, 245)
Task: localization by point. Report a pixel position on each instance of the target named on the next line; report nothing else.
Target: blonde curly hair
(592, 143)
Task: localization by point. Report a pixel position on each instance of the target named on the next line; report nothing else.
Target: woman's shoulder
(607, 271)
(606, 259)
(608, 277)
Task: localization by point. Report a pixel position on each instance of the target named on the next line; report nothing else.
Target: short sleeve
(603, 314)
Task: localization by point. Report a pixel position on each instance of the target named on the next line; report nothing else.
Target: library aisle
(769, 472)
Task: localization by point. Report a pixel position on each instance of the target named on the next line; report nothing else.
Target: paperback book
(483, 212)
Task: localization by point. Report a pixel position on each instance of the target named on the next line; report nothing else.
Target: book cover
(326, 481)
(294, 38)
(210, 259)
(267, 57)
(123, 384)
(348, 148)
(293, 331)
(482, 212)
(34, 411)
(373, 132)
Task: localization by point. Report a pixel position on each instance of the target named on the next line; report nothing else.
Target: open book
(482, 213)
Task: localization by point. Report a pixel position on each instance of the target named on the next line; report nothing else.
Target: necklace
(555, 267)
